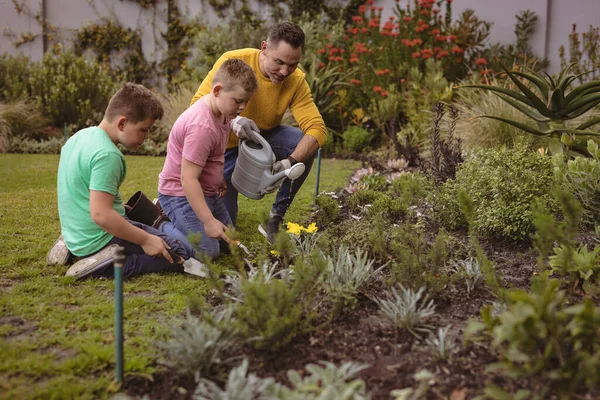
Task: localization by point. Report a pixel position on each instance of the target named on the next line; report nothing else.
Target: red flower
(486, 71)
(321, 65)
(329, 45)
(382, 71)
(452, 38)
(435, 10)
(377, 89)
(358, 19)
(362, 9)
(442, 54)
(321, 51)
(364, 30)
(459, 60)
(384, 93)
(370, 2)
(407, 19)
(481, 61)
(457, 50)
(353, 60)
(338, 58)
(417, 42)
(449, 1)
(416, 54)
(355, 82)
(435, 31)
(424, 12)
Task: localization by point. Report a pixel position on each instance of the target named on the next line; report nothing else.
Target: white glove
(244, 128)
(277, 167)
(282, 165)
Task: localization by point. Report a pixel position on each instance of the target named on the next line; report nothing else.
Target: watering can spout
(292, 173)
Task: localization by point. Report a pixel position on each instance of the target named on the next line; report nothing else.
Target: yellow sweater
(267, 106)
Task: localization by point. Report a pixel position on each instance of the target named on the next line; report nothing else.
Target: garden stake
(318, 171)
(118, 273)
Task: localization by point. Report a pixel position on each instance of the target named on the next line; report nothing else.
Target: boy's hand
(222, 190)
(244, 128)
(216, 230)
(156, 247)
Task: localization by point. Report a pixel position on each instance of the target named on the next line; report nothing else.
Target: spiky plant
(407, 309)
(440, 346)
(240, 386)
(549, 103)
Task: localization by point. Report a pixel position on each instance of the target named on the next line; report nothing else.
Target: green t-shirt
(88, 161)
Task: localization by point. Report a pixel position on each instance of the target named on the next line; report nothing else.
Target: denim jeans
(283, 141)
(180, 212)
(137, 262)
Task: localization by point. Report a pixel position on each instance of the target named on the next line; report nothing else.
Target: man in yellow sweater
(281, 85)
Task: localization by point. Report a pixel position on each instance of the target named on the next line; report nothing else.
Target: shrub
(357, 139)
(71, 89)
(15, 72)
(392, 209)
(328, 209)
(174, 104)
(502, 184)
(581, 177)
(411, 187)
(357, 201)
(29, 146)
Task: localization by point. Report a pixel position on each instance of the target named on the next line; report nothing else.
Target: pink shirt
(200, 138)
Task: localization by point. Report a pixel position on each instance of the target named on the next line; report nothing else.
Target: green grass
(56, 335)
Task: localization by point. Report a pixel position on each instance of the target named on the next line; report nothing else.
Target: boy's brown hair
(234, 72)
(135, 102)
(289, 32)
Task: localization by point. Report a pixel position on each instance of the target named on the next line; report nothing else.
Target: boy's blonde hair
(235, 72)
(135, 102)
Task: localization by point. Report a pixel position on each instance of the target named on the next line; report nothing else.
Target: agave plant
(552, 105)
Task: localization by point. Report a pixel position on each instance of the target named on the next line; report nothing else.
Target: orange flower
(364, 30)
(457, 50)
(435, 31)
(358, 19)
(321, 65)
(355, 82)
(416, 54)
(459, 60)
(442, 54)
(384, 93)
(452, 38)
(377, 89)
(370, 2)
(486, 71)
(417, 42)
(329, 45)
(353, 60)
(481, 61)
(321, 51)
(407, 19)
(362, 9)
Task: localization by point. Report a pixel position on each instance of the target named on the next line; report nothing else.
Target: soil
(393, 357)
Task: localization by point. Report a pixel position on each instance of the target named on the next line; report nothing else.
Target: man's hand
(282, 165)
(156, 247)
(216, 230)
(222, 190)
(245, 128)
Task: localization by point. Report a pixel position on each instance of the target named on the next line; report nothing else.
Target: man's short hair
(289, 32)
(235, 72)
(135, 102)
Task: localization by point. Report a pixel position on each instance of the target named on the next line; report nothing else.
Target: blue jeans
(180, 212)
(283, 141)
(137, 262)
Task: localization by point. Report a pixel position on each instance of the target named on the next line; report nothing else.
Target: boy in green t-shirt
(90, 207)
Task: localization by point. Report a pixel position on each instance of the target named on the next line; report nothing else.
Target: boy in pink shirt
(191, 184)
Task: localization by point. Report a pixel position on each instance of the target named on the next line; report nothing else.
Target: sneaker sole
(87, 266)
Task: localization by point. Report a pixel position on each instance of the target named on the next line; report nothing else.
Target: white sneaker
(88, 265)
(194, 267)
(58, 254)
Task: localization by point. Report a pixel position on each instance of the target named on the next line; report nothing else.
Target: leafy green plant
(357, 139)
(347, 273)
(407, 309)
(502, 184)
(239, 386)
(550, 104)
(582, 263)
(14, 77)
(540, 335)
(28, 146)
(198, 346)
(327, 209)
(416, 263)
(581, 177)
(327, 382)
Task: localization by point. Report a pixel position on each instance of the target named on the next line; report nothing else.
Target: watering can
(253, 168)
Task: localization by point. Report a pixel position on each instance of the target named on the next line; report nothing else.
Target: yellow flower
(312, 228)
(275, 253)
(294, 229)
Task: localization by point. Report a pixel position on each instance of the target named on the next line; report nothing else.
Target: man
(281, 85)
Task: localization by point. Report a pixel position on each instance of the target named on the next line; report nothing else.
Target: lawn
(56, 335)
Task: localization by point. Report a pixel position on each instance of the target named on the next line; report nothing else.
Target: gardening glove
(245, 128)
(277, 167)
